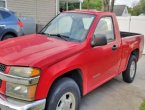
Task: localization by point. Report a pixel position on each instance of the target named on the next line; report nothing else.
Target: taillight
(20, 24)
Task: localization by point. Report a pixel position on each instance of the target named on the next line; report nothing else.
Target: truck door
(104, 59)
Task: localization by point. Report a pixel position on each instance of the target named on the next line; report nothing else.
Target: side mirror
(99, 40)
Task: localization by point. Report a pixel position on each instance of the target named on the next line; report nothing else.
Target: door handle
(114, 47)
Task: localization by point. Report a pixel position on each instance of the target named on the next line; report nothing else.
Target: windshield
(72, 26)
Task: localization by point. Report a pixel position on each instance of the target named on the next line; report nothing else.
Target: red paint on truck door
(104, 59)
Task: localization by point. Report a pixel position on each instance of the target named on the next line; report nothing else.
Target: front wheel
(130, 72)
(65, 95)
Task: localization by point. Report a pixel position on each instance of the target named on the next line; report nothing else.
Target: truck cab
(75, 53)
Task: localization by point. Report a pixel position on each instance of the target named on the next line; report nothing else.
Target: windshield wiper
(43, 33)
(64, 37)
(60, 36)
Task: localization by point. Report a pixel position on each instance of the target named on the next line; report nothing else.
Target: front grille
(2, 67)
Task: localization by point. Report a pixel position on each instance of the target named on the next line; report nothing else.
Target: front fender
(49, 75)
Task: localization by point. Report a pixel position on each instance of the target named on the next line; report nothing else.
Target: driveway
(118, 95)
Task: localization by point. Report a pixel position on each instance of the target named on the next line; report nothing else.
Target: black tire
(128, 75)
(59, 89)
(7, 36)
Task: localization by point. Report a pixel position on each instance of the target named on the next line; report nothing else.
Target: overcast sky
(126, 2)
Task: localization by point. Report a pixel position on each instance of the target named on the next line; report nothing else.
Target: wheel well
(135, 53)
(10, 33)
(75, 75)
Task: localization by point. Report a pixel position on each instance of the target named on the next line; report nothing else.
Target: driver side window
(105, 27)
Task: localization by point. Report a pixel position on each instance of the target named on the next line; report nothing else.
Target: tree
(108, 5)
(92, 4)
(112, 6)
(138, 8)
(88, 2)
(142, 3)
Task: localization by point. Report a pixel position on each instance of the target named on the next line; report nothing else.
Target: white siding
(25, 8)
(46, 10)
(125, 12)
(41, 10)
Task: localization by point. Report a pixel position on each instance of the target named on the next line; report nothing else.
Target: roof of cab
(95, 12)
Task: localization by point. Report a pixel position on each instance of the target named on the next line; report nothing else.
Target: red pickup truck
(75, 53)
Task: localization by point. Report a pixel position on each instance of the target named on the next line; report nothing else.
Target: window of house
(3, 3)
(105, 27)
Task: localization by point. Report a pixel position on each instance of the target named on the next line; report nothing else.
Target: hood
(34, 50)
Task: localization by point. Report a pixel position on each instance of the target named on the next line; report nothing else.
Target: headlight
(21, 91)
(23, 84)
(24, 71)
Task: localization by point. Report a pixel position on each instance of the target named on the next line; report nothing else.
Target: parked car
(75, 53)
(29, 25)
(10, 25)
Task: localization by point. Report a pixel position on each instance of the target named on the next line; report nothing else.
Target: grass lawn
(142, 107)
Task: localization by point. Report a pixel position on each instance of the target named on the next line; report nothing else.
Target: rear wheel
(65, 95)
(7, 36)
(130, 72)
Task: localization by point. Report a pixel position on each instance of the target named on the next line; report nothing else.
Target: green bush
(92, 4)
(142, 107)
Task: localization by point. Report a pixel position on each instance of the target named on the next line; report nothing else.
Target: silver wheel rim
(66, 102)
(132, 69)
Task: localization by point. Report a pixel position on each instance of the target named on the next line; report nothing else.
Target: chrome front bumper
(7, 103)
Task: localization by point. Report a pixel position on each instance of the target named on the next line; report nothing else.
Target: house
(42, 11)
(121, 10)
(142, 14)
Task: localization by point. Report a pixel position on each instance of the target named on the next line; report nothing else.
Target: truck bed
(128, 34)
(130, 41)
